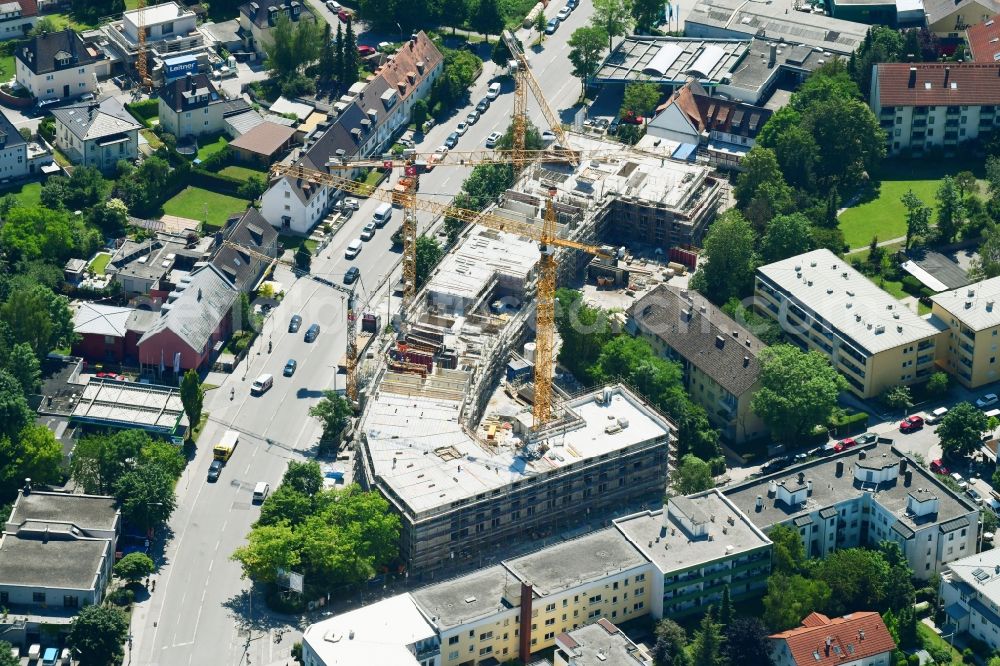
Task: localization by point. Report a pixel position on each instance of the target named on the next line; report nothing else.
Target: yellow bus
(224, 449)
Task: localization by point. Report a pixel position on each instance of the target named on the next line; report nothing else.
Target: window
(550, 607)
(38, 597)
(452, 640)
(453, 655)
(550, 635)
(549, 622)
(486, 650)
(486, 636)
(71, 601)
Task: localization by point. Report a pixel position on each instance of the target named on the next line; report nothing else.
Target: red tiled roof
(850, 638)
(713, 113)
(938, 84)
(28, 7)
(984, 40)
(401, 71)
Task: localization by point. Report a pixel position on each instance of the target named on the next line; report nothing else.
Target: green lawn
(197, 204)
(6, 68)
(150, 136)
(885, 215)
(928, 638)
(241, 172)
(292, 242)
(28, 195)
(210, 146)
(63, 21)
(99, 263)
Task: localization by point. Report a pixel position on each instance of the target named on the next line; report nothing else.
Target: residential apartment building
(171, 33)
(970, 594)
(860, 498)
(245, 234)
(856, 639)
(14, 161)
(948, 19)
(599, 644)
(823, 304)
(462, 499)
(258, 18)
(97, 134)
(521, 606)
(17, 18)
(969, 351)
(934, 105)
(718, 355)
(984, 40)
(366, 123)
(56, 554)
(191, 106)
(57, 65)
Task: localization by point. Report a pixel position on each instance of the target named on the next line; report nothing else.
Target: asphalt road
(202, 609)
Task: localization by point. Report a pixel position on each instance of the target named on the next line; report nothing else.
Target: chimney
(862, 455)
(912, 82)
(525, 629)
(947, 73)
(908, 478)
(840, 468)
(809, 487)
(772, 55)
(902, 466)
(411, 77)
(802, 478)
(760, 504)
(746, 361)
(401, 87)
(199, 293)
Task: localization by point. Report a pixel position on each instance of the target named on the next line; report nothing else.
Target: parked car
(551, 26)
(368, 232)
(333, 5)
(564, 13)
(866, 438)
(491, 140)
(312, 333)
(345, 15)
(461, 128)
(364, 50)
(937, 466)
(214, 470)
(352, 274)
(290, 367)
(613, 126)
(911, 423)
(844, 444)
(957, 478)
(974, 495)
(110, 375)
(452, 140)
(572, 4)
(472, 117)
(294, 324)
(352, 203)
(493, 91)
(548, 136)
(484, 104)
(776, 464)
(987, 400)
(937, 415)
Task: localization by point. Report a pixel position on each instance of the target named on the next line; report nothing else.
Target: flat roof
(670, 59)
(131, 404)
(980, 573)
(848, 301)
(577, 562)
(465, 272)
(664, 541)
(774, 21)
(87, 512)
(420, 450)
(482, 593)
(58, 561)
(602, 644)
(378, 633)
(830, 489)
(755, 70)
(974, 305)
(939, 267)
(155, 14)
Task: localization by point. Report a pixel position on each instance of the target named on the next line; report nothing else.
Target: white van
(382, 215)
(261, 384)
(353, 248)
(260, 491)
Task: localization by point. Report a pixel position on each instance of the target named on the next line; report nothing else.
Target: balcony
(966, 347)
(926, 344)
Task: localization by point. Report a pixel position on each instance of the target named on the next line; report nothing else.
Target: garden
(197, 203)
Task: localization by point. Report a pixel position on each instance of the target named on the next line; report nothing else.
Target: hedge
(216, 182)
(144, 110)
(849, 424)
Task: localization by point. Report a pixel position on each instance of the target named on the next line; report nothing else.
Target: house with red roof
(856, 639)
(984, 40)
(927, 105)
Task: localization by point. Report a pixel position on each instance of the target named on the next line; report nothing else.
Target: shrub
(122, 597)
(912, 285)
(941, 654)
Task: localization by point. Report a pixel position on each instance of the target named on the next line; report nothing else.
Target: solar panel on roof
(980, 575)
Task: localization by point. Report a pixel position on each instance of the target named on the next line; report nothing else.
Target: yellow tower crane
(141, 63)
(545, 235)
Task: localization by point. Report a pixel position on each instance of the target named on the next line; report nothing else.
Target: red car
(844, 444)
(110, 375)
(345, 15)
(911, 423)
(366, 50)
(937, 466)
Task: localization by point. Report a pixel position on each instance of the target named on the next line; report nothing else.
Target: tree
(583, 329)
(97, 635)
(586, 45)
(857, 578)
(797, 154)
(428, 253)
(501, 55)
(671, 644)
(24, 366)
(303, 477)
(641, 98)
(487, 19)
(692, 476)
(454, 12)
(252, 188)
(532, 138)
(706, 648)
(938, 384)
(14, 411)
(328, 56)
(44, 25)
(961, 429)
(897, 397)
(6, 655)
(134, 567)
(967, 184)
(269, 548)
(350, 62)
(949, 209)
(418, 114)
(730, 259)
(109, 216)
(746, 642)
(192, 397)
(338, 53)
(849, 138)
(786, 236)
(790, 598)
(612, 16)
(725, 608)
(789, 554)
(41, 233)
(36, 316)
(303, 257)
(540, 24)
(646, 14)
(798, 391)
(761, 175)
(33, 453)
(333, 411)
(292, 46)
(146, 496)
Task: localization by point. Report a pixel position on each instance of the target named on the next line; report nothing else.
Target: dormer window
(63, 59)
